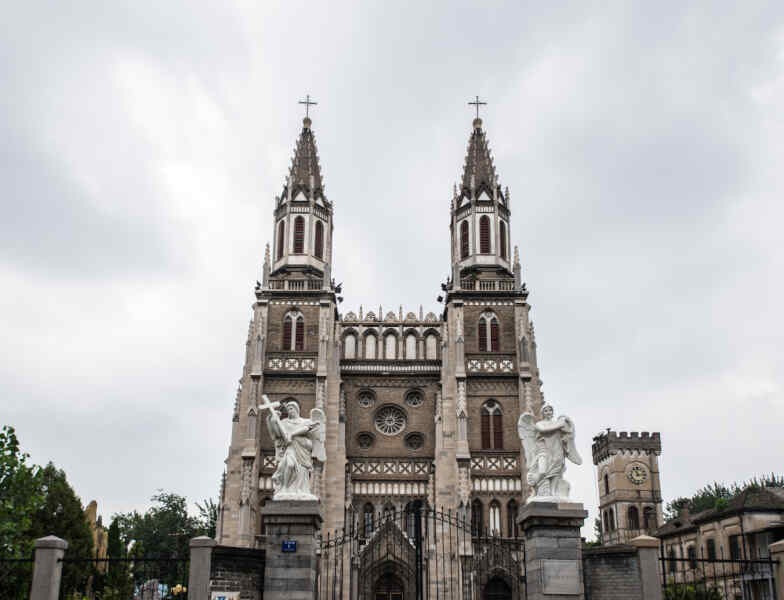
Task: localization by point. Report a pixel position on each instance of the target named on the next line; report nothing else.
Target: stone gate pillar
(291, 569)
(553, 549)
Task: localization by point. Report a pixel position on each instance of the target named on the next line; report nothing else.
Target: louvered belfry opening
(300, 335)
(492, 426)
(502, 239)
(464, 239)
(281, 239)
(299, 235)
(319, 250)
(482, 335)
(494, 341)
(484, 234)
(287, 323)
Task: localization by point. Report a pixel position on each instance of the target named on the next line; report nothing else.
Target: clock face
(637, 474)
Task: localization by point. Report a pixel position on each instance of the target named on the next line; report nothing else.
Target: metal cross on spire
(308, 103)
(477, 103)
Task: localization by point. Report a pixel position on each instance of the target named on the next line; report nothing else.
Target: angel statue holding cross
(547, 445)
(297, 442)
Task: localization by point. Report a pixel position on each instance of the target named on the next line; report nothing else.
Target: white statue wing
(319, 435)
(569, 448)
(527, 432)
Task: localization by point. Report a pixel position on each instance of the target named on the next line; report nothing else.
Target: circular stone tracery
(414, 398)
(365, 440)
(415, 441)
(366, 399)
(390, 420)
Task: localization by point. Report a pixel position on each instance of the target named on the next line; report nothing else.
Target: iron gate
(419, 554)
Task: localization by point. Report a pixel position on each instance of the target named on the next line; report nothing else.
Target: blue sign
(289, 546)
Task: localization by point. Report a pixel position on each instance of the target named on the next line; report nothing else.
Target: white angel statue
(297, 442)
(547, 445)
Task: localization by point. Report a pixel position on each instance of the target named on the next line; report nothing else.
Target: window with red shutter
(300, 335)
(287, 333)
(502, 239)
(484, 235)
(498, 431)
(485, 429)
(299, 235)
(281, 239)
(319, 251)
(464, 239)
(482, 335)
(494, 345)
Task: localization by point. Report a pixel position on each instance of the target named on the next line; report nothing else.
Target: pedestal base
(553, 549)
(291, 549)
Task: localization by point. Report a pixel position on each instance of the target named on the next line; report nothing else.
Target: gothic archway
(497, 589)
(388, 587)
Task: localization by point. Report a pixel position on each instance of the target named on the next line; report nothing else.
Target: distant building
(627, 470)
(741, 531)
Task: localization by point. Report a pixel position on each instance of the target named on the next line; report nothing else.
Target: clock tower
(627, 472)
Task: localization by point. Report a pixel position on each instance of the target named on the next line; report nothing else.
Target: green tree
(20, 496)
(208, 515)
(62, 514)
(118, 578)
(718, 495)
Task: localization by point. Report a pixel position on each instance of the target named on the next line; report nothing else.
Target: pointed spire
(479, 171)
(265, 271)
(305, 172)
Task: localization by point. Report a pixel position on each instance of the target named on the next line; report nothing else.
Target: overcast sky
(143, 144)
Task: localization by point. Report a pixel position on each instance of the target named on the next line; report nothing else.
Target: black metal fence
(419, 554)
(124, 578)
(16, 578)
(702, 577)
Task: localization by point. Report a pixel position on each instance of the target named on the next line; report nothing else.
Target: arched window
(489, 334)
(390, 346)
(319, 249)
(370, 346)
(288, 325)
(293, 331)
(649, 518)
(411, 347)
(606, 521)
(633, 518)
(492, 426)
(350, 346)
(691, 554)
(502, 239)
(484, 234)
(606, 484)
(299, 235)
(511, 518)
(464, 240)
(367, 518)
(431, 346)
(477, 518)
(612, 520)
(710, 547)
(495, 517)
(672, 561)
(281, 239)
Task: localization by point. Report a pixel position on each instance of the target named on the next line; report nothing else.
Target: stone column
(201, 564)
(553, 549)
(777, 554)
(47, 568)
(648, 556)
(291, 575)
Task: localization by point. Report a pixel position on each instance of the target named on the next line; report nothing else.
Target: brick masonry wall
(238, 570)
(611, 573)
(506, 325)
(275, 325)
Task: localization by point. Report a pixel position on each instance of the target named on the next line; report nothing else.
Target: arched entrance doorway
(388, 587)
(497, 589)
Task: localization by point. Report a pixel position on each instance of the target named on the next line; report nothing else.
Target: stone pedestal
(291, 574)
(553, 549)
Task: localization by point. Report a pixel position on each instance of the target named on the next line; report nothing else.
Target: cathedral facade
(420, 408)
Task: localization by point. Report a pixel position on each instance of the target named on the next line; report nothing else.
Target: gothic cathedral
(420, 408)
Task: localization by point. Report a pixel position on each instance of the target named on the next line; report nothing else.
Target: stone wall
(238, 570)
(612, 573)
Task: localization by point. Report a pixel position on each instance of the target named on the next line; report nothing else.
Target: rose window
(390, 420)
(365, 440)
(414, 398)
(366, 399)
(414, 441)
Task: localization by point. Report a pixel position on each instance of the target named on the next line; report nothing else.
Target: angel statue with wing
(547, 445)
(297, 442)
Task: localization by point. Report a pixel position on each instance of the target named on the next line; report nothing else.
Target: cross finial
(308, 103)
(477, 103)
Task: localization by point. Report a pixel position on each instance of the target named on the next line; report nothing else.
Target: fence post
(47, 568)
(777, 554)
(648, 556)
(200, 566)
